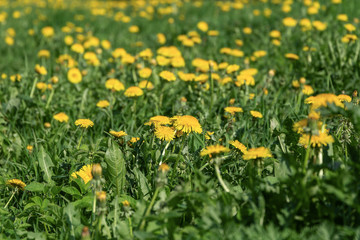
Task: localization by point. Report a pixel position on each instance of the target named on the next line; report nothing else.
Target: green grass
(291, 195)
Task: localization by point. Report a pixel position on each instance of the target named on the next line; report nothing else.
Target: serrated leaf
(45, 164)
(35, 187)
(114, 159)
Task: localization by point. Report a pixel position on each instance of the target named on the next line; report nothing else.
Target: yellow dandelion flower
(161, 39)
(41, 86)
(307, 90)
(292, 56)
(158, 121)
(238, 145)
(244, 79)
(344, 98)
(289, 22)
(85, 173)
(322, 139)
(214, 150)
(254, 153)
(134, 29)
(256, 114)
(208, 135)
(164, 168)
(47, 31)
(168, 76)
(186, 77)
(203, 26)
(74, 75)
(40, 69)
(349, 27)
(186, 124)
(232, 68)
(322, 100)
(61, 117)
(114, 85)
(146, 84)
(133, 91)
(29, 148)
(43, 53)
(16, 183)
(233, 110)
(84, 123)
(103, 104)
(165, 133)
(145, 72)
(118, 134)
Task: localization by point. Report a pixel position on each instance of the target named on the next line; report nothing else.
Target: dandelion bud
(85, 233)
(125, 203)
(97, 171)
(272, 72)
(55, 79)
(183, 99)
(29, 148)
(47, 125)
(302, 80)
(355, 93)
(164, 168)
(101, 196)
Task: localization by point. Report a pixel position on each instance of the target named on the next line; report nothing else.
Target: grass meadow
(179, 119)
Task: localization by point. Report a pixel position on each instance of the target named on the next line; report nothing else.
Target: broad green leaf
(35, 187)
(72, 217)
(144, 185)
(45, 164)
(116, 167)
(71, 190)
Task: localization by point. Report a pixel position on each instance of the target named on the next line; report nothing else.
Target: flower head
(118, 134)
(84, 123)
(254, 153)
(322, 139)
(186, 124)
(133, 91)
(85, 173)
(103, 104)
(114, 85)
(168, 76)
(256, 114)
(16, 183)
(238, 145)
(74, 75)
(322, 100)
(233, 110)
(40, 69)
(165, 133)
(213, 150)
(158, 121)
(61, 117)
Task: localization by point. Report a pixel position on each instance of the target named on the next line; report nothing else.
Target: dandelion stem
(212, 91)
(205, 165)
(130, 227)
(82, 133)
(50, 99)
(10, 199)
(178, 156)
(33, 87)
(218, 174)
(306, 160)
(148, 210)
